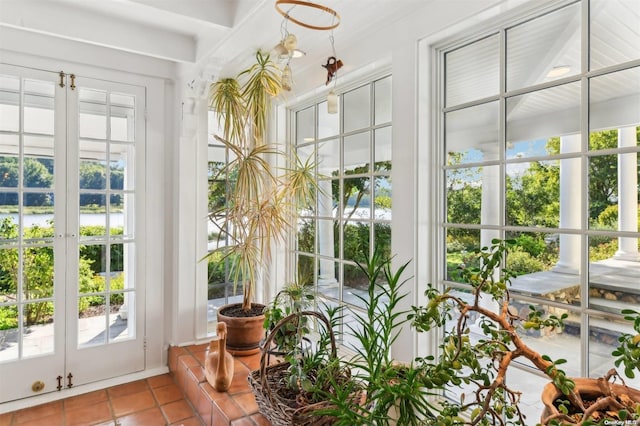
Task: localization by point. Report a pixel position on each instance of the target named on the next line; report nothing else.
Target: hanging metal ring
(326, 9)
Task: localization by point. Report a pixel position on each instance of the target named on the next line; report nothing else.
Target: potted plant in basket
(259, 200)
(482, 363)
(295, 297)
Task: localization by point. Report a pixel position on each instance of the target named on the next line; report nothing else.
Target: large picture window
(352, 215)
(541, 145)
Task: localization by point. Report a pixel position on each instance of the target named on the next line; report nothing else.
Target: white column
(570, 190)
(325, 234)
(627, 196)
(489, 215)
(490, 204)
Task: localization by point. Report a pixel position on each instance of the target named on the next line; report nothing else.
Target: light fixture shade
(297, 53)
(279, 50)
(290, 42)
(332, 103)
(287, 80)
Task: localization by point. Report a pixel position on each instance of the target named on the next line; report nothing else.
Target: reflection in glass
(37, 329)
(122, 124)
(120, 257)
(481, 56)
(8, 177)
(357, 153)
(533, 193)
(92, 323)
(557, 343)
(305, 124)
(121, 316)
(121, 203)
(613, 22)
(356, 198)
(603, 339)
(328, 124)
(306, 235)
(614, 273)
(382, 100)
(9, 110)
(38, 114)
(614, 104)
(91, 95)
(472, 134)
(357, 108)
(382, 198)
(305, 268)
(329, 157)
(355, 283)
(328, 278)
(356, 240)
(122, 117)
(382, 239)
(464, 195)
(121, 156)
(543, 114)
(9, 332)
(459, 246)
(93, 214)
(37, 276)
(38, 173)
(382, 148)
(547, 265)
(605, 202)
(92, 120)
(554, 37)
(93, 175)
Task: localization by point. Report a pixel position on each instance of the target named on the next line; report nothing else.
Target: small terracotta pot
(587, 388)
(244, 333)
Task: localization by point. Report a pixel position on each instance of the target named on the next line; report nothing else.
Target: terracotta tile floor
(180, 398)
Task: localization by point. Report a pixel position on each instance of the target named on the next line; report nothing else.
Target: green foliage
(609, 217)
(96, 253)
(532, 197)
(482, 363)
(628, 351)
(8, 317)
(521, 262)
(293, 298)
(38, 276)
(387, 385)
(601, 248)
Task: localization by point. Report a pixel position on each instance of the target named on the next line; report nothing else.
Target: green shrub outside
(38, 273)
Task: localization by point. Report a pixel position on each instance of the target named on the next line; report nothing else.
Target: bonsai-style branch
(501, 344)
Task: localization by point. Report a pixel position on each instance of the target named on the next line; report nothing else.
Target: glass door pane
(103, 318)
(31, 281)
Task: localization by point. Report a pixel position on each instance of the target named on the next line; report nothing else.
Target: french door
(71, 209)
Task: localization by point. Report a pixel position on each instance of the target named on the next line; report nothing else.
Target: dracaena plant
(259, 199)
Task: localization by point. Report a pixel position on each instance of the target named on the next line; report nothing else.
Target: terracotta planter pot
(588, 389)
(244, 333)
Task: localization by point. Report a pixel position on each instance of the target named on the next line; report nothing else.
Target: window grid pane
(564, 188)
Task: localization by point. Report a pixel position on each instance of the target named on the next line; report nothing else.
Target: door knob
(37, 386)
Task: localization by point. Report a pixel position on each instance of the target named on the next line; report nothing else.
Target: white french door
(71, 209)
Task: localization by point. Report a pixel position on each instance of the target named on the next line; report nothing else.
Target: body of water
(86, 219)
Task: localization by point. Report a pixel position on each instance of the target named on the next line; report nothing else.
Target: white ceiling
(193, 31)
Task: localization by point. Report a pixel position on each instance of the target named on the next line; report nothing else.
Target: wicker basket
(266, 381)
